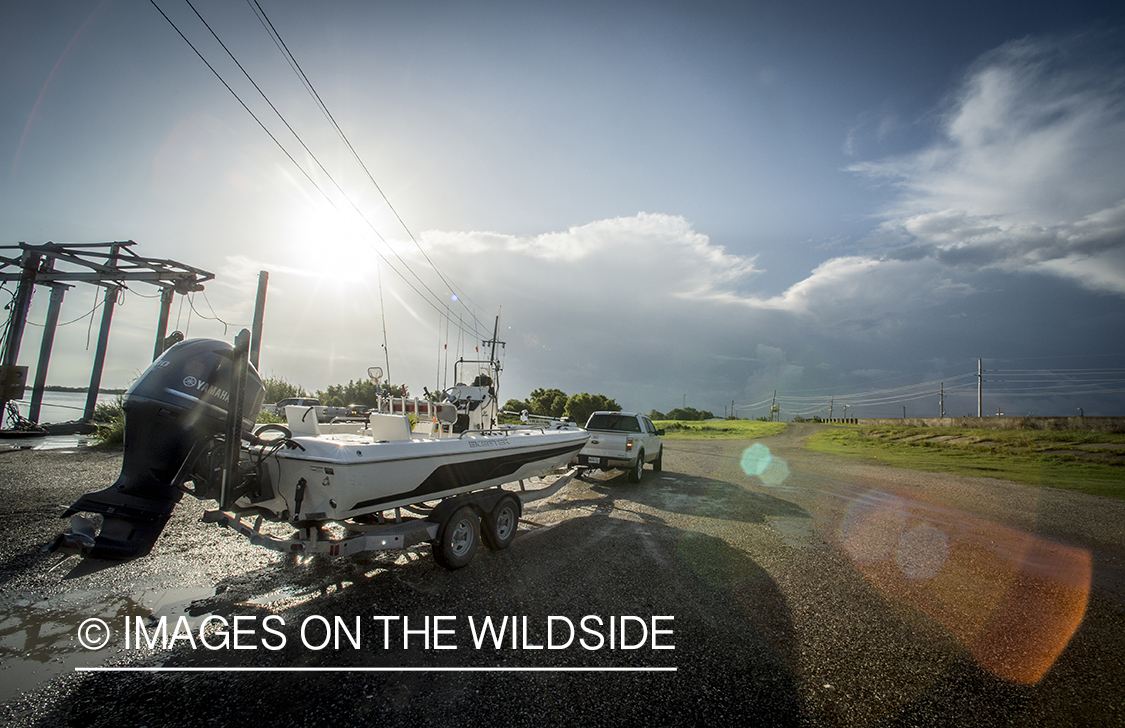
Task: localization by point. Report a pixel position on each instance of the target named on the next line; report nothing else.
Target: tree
(516, 405)
(658, 415)
(363, 392)
(547, 402)
(688, 413)
(580, 406)
(279, 388)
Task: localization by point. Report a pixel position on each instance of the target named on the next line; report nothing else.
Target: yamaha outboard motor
(172, 413)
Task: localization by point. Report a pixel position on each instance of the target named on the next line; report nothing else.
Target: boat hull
(340, 477)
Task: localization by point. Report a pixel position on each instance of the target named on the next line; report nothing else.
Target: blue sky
(671, 202)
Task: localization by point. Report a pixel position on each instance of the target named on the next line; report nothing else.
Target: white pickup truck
(625, 440)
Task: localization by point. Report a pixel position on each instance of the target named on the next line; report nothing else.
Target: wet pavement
(796, 589)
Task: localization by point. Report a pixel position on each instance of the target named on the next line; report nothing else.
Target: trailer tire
(502, 524)
(459, 539)
(636, 472)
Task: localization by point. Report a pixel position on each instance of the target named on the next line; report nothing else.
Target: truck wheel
(638, 470)
(502, 524)
(658, 463)
(459, 538)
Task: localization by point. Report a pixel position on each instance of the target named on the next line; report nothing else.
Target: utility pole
(941, 400)
(830, 401)
(493, 341)
(845, 412)
(980, 381)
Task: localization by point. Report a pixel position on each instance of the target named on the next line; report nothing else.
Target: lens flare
(922, 552)
(1011, 598)
(757, 460)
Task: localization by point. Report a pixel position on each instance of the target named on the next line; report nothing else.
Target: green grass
(718, 429)
(1071, 460)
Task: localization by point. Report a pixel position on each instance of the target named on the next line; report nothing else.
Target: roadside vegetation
(110, 421)
(685, 413)
(718, 429)
(1090, 462)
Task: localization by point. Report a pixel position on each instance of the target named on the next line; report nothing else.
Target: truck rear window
(613, 422)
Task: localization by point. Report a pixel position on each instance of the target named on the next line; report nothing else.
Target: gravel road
(796, 588)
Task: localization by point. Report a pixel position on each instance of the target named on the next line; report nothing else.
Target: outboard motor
(172, 412)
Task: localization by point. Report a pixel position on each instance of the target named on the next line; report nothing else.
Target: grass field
(718, 429)
(1089, 462)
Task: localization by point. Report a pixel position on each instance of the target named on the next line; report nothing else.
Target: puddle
(39, 638)
(283, 598)
(47, 442)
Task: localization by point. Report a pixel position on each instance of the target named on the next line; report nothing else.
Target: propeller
(80, 540)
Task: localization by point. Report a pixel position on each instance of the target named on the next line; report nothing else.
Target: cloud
(774, 371)
(647, 256)
(1026, 175)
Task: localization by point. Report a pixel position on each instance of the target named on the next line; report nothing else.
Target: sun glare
(329, 243)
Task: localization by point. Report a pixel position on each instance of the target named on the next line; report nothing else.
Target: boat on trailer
(189, 428)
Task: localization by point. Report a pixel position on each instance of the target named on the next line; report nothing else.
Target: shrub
(109, 420)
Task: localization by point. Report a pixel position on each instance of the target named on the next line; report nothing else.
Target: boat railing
(554, 423)
(506, 430)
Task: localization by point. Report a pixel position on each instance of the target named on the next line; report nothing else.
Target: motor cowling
(178, 405)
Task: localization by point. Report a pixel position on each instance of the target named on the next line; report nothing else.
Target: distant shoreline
(57, 388)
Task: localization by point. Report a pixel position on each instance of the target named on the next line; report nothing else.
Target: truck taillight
(628, 444)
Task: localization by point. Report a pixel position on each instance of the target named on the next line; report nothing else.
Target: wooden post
(259, 317)
(233, 430)
(167, 294)
(108, 302)
(57, 293)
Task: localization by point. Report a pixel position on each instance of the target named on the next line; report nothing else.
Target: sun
(331, 243)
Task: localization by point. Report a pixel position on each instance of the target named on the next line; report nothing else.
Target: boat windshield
(621, 423)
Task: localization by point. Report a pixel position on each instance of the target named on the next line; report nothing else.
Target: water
(57, 407)
(60, 406)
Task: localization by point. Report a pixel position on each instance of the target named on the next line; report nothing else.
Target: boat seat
(301, 420)
(389, 427)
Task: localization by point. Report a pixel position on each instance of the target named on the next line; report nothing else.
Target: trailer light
(296, 547)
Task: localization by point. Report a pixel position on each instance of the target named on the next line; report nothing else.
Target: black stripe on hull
(460, 475)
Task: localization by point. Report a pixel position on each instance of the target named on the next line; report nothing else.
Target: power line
(1015, 383)
(272, 31)
(316, 159)
(219, 76)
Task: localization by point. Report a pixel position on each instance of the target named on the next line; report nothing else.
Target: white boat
(189, 428)
(335, 477)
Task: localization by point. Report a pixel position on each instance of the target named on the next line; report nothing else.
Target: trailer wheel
(459, 538)
(635, 473)
(502, 523)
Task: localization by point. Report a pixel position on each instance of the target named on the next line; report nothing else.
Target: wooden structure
(113, 266)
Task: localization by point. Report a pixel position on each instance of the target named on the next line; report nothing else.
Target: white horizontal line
(375, 669)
